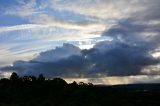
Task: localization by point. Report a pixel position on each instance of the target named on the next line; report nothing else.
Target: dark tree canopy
(59, 81)
(14, 76)
(32, 91)
(41, 77)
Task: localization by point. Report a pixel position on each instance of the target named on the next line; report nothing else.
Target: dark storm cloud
(131, 31)
(134, 39)
(72, 66)
(120, 59)
(112, 59)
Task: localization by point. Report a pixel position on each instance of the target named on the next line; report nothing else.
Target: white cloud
(44, 19)
(22, 8)
(21, 27)
(103, 9)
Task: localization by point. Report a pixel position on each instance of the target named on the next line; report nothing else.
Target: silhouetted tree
(41, 77)
(25, 78)
(59, 81)
(32, 78)
(4, 80)
(74, 83)
(90, 84)
(82, 83)
(14, 76)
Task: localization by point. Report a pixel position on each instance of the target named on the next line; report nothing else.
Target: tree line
(15, 78)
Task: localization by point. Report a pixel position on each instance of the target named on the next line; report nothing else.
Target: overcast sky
(102, 41)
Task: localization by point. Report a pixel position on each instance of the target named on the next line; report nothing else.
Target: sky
(98, 41)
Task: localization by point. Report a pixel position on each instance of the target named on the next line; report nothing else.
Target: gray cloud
(134, 40)
(58, 53)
